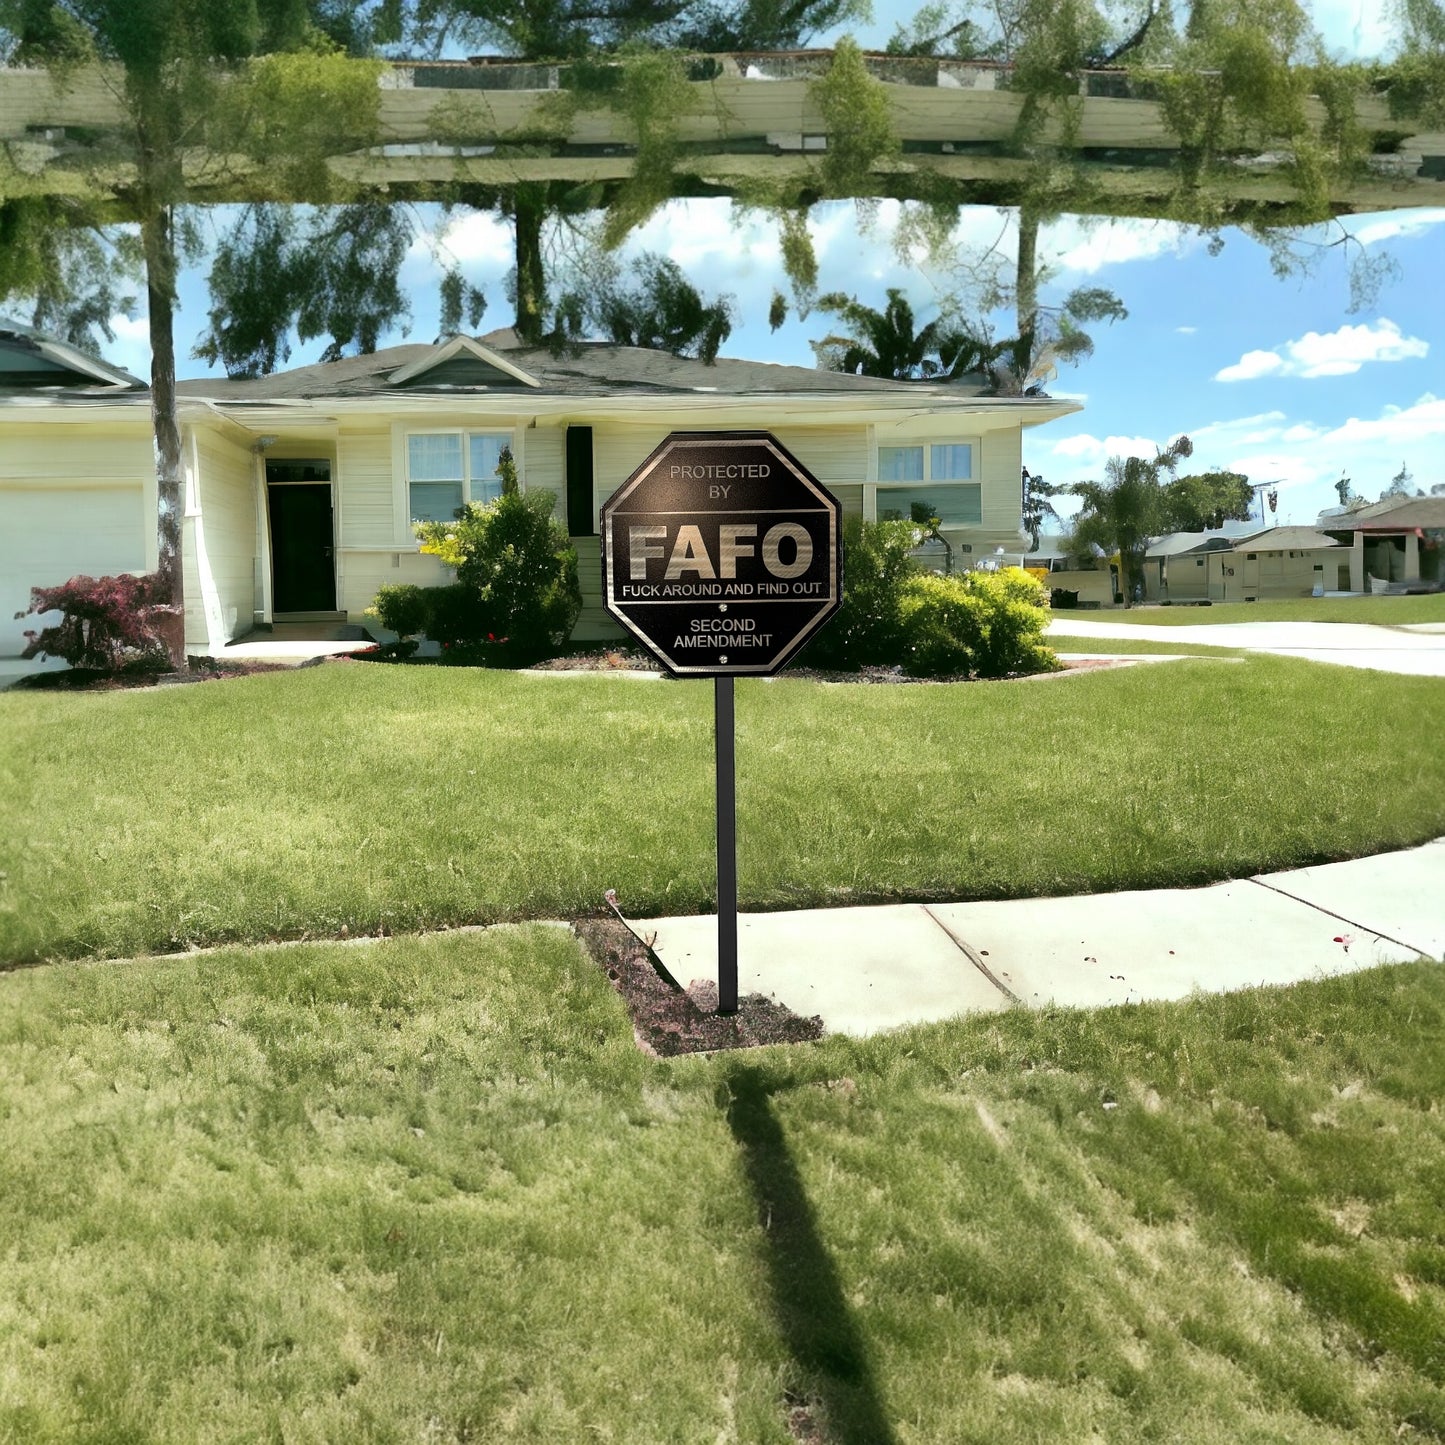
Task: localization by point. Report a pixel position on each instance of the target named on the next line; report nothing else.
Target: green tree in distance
(1204, 500)
(890, 342)
(659, 309)
(1121, 513)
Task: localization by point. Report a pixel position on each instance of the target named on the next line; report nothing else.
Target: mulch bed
(634, 660)
(201, 669)
(668, 1021)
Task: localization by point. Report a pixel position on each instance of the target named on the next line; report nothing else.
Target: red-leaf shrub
(108, 622)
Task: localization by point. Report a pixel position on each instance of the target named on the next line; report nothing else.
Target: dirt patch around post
(668, 1021)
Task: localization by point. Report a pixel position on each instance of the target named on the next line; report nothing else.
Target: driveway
(1348, 644)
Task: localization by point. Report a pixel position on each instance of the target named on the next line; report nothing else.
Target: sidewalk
(1418, 652)
(869, 969)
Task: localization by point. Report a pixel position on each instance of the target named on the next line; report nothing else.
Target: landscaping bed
(145, 673)
(670, 1020)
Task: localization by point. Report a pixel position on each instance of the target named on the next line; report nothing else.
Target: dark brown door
(303, 574)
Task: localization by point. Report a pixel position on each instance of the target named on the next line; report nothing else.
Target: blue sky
(1274, 378)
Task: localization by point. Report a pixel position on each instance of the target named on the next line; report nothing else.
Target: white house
(301, 488)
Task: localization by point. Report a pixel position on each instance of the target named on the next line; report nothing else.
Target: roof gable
(29, 358)
(461, 362)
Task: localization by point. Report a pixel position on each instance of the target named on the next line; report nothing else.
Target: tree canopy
(1121, 513)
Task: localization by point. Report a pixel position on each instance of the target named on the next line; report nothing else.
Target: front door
(303, 575)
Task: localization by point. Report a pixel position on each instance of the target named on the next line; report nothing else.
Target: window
(940, 473)
(444, 469)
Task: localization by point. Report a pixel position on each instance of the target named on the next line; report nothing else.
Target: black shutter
(579, 482)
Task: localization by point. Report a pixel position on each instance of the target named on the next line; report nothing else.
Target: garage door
(48, 537)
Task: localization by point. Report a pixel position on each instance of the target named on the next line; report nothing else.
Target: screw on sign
(724, 555)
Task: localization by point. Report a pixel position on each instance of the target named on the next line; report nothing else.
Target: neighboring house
(301, 488)
(1073, 581)
(1277, 562)
(1175, 565)
(1393, 541)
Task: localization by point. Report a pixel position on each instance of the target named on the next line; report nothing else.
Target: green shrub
(454, 616)
(868, 628)
(402, 608)
(982, 624)
(519, 573)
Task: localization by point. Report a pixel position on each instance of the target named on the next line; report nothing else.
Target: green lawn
(370, 797)
(427, 1189)
(1378, 611)
(1124, 646)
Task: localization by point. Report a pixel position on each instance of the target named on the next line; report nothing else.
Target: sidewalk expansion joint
(1338, 917)
(973, 956)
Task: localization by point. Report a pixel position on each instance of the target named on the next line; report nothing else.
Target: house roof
(1285, 539)
(30, 359)
(1177, 544)
(1391, 514)
(592, 369)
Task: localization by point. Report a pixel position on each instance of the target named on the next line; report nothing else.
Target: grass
(1124, 646)
(426, 1189)
(383, 798)
(1377, 611)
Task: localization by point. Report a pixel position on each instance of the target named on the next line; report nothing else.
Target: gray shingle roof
(595, 369)
(1285, 539)
(1393, 514)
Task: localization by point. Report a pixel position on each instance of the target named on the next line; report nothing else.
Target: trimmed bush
(981, 624)
(109, 623)
(516, 597)
(402, 608)
(868, 629)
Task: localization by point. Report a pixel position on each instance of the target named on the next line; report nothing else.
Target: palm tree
(886, 343)
(1122, 513)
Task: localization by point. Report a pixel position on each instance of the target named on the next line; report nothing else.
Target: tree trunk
(529, 210)
(1026, 291)
(160, 260)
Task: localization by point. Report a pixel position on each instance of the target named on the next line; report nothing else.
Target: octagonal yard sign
(722, 553)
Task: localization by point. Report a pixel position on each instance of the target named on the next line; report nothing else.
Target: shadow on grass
(808, 1302)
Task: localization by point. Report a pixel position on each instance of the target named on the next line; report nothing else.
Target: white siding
(221, 544)
(544, 465)
(363, 482)
(366, 571)
(73, 501)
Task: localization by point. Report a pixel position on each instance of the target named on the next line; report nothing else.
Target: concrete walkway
(1419, 651)
(869, 969)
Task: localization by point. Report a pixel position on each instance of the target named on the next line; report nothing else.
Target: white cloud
(1251, 365)
(1087, 451)
(132, 329)
(478, 238)
(131, 349)
(1397, 223)
(1186, 330)
(1396, 426)
(1086, 247)
(1334, 353)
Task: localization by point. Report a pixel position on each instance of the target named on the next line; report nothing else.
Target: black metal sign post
(724, 748)
(723, 554)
